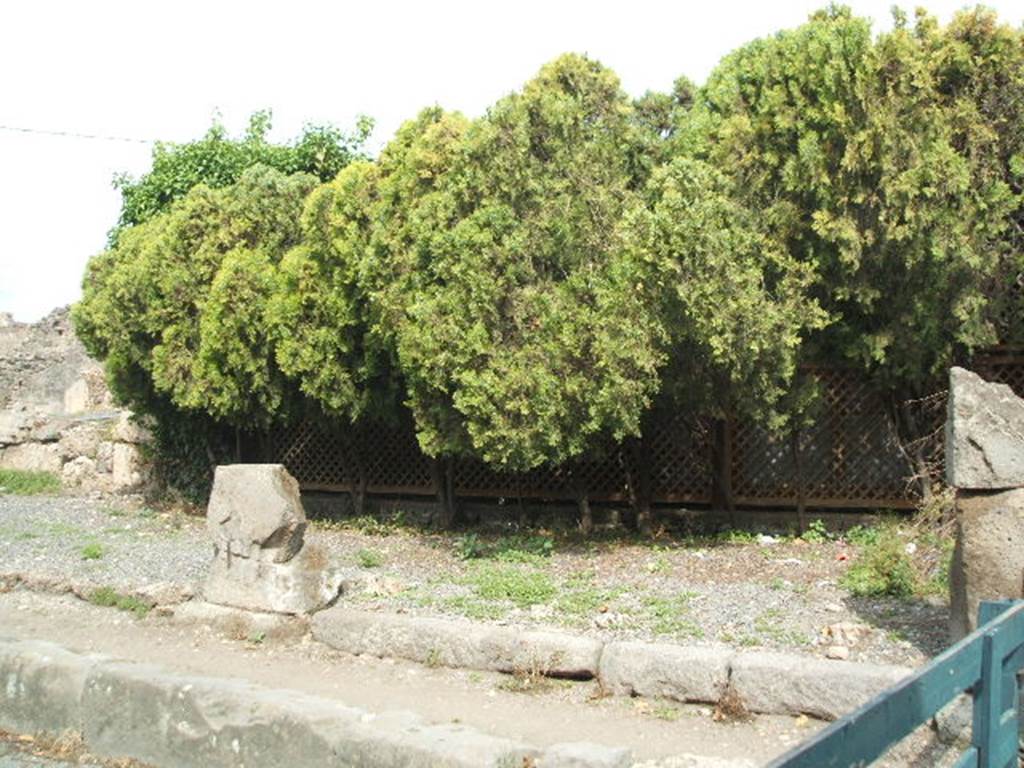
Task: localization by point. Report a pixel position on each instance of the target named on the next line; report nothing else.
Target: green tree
(866, 164)
(177, 310)
(217, 160)
(523, 338)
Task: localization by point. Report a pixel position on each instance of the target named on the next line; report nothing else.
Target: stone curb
(126, 709)
(464, 644)
(766, 682)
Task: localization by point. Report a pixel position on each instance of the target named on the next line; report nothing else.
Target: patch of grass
(667, 615)
(108, 597)
(507, 549)
(516, 583)
(92, 551)
(472, 607)
(768, 626)
(25, 483)
(369, 558)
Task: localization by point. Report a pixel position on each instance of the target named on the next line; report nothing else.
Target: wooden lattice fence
(851, 457)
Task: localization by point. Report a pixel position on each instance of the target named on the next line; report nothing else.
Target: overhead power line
(75, 135)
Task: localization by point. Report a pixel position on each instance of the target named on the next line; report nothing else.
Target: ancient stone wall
(985, 464)
(56, 414)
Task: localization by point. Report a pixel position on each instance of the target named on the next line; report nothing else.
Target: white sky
(161, 71)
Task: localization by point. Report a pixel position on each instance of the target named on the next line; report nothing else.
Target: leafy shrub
(883, 569)
(92, 551)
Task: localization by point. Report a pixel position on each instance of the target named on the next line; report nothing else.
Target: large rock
(984, 434)
(988, 560)
(32, 457)
(128, 468)
(260, 560)
(683, 673)
(255, 512)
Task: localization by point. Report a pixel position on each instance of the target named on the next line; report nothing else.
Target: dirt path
(563, 712)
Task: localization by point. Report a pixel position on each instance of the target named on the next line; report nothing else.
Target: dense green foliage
(217, 160)
(529, 284)
(873, 164)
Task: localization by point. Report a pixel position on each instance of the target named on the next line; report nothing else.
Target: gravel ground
(780, 594)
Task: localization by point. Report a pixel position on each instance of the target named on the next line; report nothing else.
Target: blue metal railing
(985, 664)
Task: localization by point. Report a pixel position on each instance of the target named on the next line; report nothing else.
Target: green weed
(92, 551)
(108, 597)
(516, 583)
(369, 558)
(21, 482)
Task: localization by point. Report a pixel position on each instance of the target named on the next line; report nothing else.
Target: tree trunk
(586, 515)
(913, 444)
(798, 480)
(721, 494)
(445, 516)
(644, 515)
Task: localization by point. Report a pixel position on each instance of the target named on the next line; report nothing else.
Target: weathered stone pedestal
(985, 464)
(261, 560)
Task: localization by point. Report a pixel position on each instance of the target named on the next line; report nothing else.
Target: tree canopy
(526, 285)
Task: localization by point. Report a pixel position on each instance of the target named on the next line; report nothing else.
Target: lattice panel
(850, 453)
(850, 457)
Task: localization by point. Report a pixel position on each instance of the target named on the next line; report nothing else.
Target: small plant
(730, 708)
(21, 482)
(667, 712)
(92, 551)
(816, 532)
(883, 569)
(108, 597)
(257, 637)
(369, 558)
(469, 547)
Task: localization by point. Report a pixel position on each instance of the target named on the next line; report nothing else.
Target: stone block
(984, 434)
(584, 755)
(128, 430)
(788, 684)
(128, 468)
(683, 673)
(303, 584)
(988, 560)
(41, 686)
(32, 457)
(458, 644)
(142, 712)
(76, 397)
(261, 561)
(255, 511)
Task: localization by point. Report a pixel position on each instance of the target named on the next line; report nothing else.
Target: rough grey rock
(954, 721)
(781, 683)
(32, 457)
(304, 584)
(670, 671)
(984, 434)
(457, 643)
(129, 430)
(128, 468)
(584, 755)
(255, 511)
(76, 397)
(261, 561)
(988, 559)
